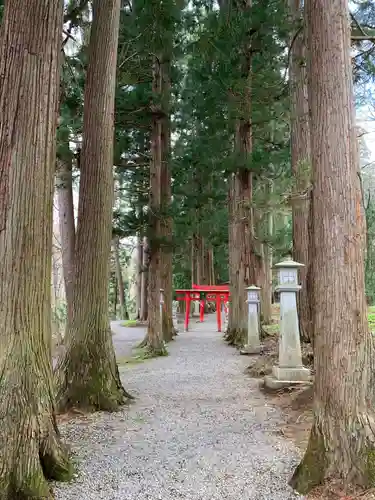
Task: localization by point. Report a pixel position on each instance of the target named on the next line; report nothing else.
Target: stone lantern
(290, 370)
(253, 343)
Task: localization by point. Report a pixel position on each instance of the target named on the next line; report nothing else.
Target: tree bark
(267, 285)
(301, 165)
(30, 448)
(341, 444)
(211, 265)
(267, 259)
(87, 376)
(120, 281)
(231, 244)
(139, 276)
(64, 188)
(243, 258)
(154, 342)
(166, 198)
(195, 276)
(145, 274)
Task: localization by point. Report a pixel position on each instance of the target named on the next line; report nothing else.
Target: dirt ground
(296, 405)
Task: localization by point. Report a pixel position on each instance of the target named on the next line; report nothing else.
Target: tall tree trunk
(243, 259)
(231, 244)
(195, 269)
(341, 444)
(200, 255)
(258, 257)
(114, 280)
(266, 291)
(166, 198)
(120, 281)
(145, 274)
(88, 376)
(301, 165)
(64, 188)
(30, 447)
(154, 339)
(211, 265)
(267, 259)
(139, 276)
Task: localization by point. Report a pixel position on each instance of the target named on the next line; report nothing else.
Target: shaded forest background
(203, 52)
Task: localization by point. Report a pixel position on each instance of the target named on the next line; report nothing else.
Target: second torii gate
(202, 294)
(214, 288)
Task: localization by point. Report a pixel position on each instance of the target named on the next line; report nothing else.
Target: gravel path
(198, 430)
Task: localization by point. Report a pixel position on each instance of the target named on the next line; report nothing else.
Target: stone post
(226, 315)
(161, 309)
(253, 342)
(290, 370)
(174, 314)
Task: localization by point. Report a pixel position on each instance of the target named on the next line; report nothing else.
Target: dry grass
(333, 491)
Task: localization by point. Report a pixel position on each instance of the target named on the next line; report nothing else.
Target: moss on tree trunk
(31, 452)
(236, 336)
(87, 376)
(337, 455)
(341, 445)
(312, 470)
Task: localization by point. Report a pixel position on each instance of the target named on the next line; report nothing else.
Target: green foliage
(130, 323)
(371, 321)
(210, 102)
(59, 319)
(207, 47)
(139, 355)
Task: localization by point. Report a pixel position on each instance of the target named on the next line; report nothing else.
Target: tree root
(152, 352)
(235, 337)
(355, 465)
(143, 343)
(311, 471)
(89, 380)
(168, 330)
(263, 334)
(101, 394)
(25, 476)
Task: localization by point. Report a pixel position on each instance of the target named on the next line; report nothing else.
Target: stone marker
(174, 314)
(226, 316)
(161, 308)
(290, 370)
(253, 342)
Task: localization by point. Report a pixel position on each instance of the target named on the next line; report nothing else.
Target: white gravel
(198, 430)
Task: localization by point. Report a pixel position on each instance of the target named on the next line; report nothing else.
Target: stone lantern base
(251, 349)
(287, 377)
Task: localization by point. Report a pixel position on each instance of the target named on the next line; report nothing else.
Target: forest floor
(199, 429)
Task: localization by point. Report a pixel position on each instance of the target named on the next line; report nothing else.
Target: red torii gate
(222, 288)
(201, 293)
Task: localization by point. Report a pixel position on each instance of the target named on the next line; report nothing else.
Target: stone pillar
(161, 308)
(290, 370)
(174, 314)
(253, 342)
(226, 315)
